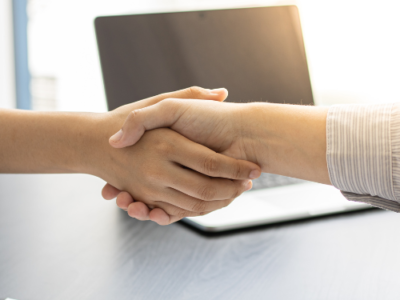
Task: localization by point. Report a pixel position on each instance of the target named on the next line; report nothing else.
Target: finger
(172, 212)
(130, 134)
(139, 210)
(162, 114)
(161, 217)
(124, 199)
(206, 188)
(194, 92)
(206, 161)
(188, 93)
(190, 204)
(109, 192)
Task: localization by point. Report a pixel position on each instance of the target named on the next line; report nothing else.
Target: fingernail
(116, 137)
(254, 174)
(217, 91)
(249, 185)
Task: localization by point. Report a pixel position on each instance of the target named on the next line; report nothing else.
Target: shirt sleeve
(363, 153)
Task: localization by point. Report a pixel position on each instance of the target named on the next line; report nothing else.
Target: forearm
(283, 139)
(48, 142)
(288, 140)
(61, 142)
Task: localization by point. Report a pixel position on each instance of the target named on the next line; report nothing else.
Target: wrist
(95, 153)
(287, 140)
(88, 146)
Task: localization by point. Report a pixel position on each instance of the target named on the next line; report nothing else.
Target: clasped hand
(193, 165)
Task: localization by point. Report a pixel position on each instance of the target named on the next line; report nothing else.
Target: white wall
(352, 46)
(353, 49)
(7, 76)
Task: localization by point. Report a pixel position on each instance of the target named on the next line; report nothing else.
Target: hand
(282, 139)
(211, 125)
(160, 171)
(216, 125)
(193, 156)
(167, 171)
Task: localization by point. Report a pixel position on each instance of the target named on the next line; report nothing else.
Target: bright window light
(352, 47)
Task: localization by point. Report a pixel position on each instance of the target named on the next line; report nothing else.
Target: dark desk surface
(60, 240)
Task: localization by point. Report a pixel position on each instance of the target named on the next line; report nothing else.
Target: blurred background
(49, 58)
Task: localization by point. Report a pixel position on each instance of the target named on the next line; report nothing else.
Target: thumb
(193, 92)
(196, 92)
(162, 114)
(124, 137)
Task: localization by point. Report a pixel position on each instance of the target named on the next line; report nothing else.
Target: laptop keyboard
(267, 180)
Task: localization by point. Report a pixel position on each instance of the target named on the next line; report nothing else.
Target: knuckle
(169, 102)
(181, 214)
(150, 184)
(172, 210)
(207, 193)
(164, 147)
(163, 95)
(195, 91)
(133, 115)
(237, 171)
(236, 192)
(152, 175)
(199, 206)
(210, 165)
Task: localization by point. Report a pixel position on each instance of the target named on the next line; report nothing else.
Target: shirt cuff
(359, 153)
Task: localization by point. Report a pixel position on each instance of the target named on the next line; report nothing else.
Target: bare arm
(283, 139)
(50, 142)
(165, 170)
(288, 140)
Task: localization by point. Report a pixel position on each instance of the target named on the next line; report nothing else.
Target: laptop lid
(256, 53)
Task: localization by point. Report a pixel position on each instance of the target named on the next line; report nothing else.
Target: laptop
(256, 53)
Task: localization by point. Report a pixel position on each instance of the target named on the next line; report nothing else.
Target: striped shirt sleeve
(363, 153)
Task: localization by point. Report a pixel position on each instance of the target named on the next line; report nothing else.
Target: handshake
(175, 155)
(186, 154)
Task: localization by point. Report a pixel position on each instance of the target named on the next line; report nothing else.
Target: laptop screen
(256, 53)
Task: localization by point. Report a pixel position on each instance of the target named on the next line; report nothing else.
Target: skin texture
(164, 171)
(288, 140)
